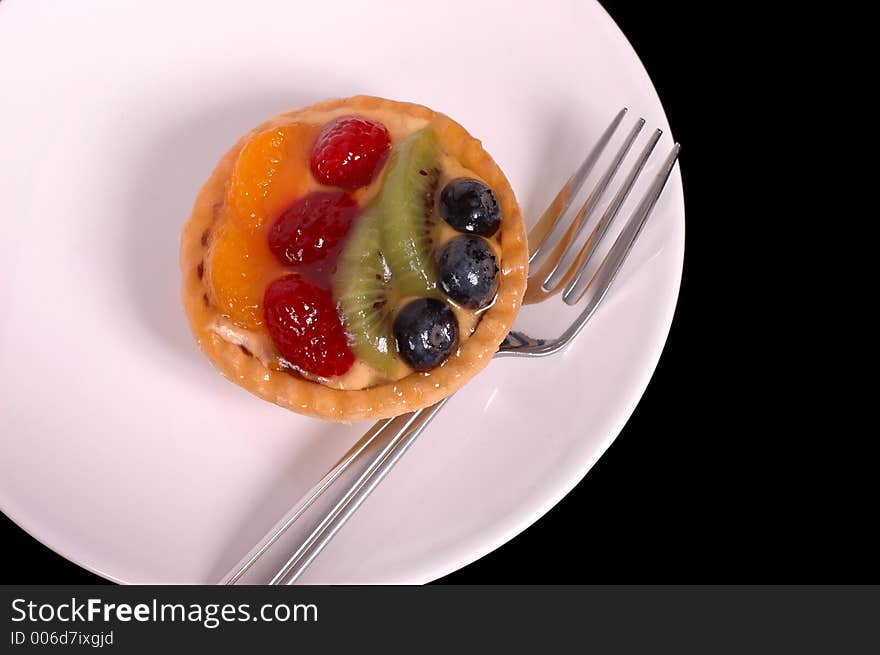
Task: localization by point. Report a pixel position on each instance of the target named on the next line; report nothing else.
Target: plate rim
(440, 567)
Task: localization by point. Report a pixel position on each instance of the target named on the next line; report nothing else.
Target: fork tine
(539, 234)
(613, 261)
(575, 270)
(535, 291)
(589, 207)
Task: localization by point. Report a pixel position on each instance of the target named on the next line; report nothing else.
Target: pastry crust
(384, 400)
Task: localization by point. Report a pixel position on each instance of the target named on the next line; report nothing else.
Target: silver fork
(558, 265)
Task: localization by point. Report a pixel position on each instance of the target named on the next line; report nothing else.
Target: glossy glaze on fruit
(426, 332)
(468, 271)
(284, 221)
(230, 260)
(470, 206)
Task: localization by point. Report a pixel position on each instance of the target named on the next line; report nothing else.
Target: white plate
(120, 447)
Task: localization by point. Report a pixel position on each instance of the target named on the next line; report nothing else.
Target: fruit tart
(356, 259)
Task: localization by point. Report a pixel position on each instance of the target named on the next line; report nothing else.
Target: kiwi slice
(388, 253)
(406, 203)
(361, 286)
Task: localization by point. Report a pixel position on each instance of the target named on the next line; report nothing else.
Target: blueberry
(468, 271)
(470, 206)
(426, 333)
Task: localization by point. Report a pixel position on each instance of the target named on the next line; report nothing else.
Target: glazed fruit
(349, 152)
(427, 332)
(238, 268)
(313, 226)
(405, 203)
(264, 178)
(361, 286)
(468, 271)
(470, 206)
(305, 327)
(255, 174)
(319, 274)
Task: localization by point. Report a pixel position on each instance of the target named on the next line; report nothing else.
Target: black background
(716, 477)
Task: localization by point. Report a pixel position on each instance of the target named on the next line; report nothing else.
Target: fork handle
(312, 523)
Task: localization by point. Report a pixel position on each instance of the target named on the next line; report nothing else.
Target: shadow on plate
(277, 496)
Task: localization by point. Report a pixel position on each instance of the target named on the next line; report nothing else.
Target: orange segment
(270, 173)
(240, 267)
(255, 173)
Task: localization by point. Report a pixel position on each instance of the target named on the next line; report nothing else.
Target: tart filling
(354, 246)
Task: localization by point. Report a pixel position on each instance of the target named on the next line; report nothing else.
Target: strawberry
(305, 328)
(349, 152)
(312, 227)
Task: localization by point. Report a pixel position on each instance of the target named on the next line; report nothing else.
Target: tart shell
(410, 393)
